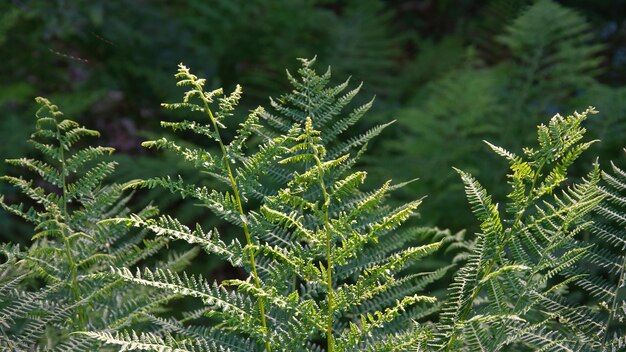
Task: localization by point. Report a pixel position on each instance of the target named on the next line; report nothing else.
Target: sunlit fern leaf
(510, 279)
(313, 96)
(65, 287)
(314, 269)
(149, 342)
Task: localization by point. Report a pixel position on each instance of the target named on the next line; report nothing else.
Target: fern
(310, 248)
(59, 287)
(323, 263)
(313, 97)
(510, 291)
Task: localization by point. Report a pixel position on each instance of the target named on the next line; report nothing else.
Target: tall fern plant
(56, 287)
(511, 292)
(316, 278)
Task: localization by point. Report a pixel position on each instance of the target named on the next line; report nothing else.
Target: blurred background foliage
(452, 73)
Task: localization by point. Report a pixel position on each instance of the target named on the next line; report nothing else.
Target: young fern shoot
(197, 99)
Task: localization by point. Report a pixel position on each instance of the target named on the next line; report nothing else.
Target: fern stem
(68, 249)
(329, 262)
(620, 283)
(246, 231)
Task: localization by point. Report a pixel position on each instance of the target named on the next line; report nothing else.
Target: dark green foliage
(56, 286)
(539, 58)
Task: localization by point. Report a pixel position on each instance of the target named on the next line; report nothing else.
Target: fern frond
(512, 268)
(146, 342)
(172, 228)
(71, 251)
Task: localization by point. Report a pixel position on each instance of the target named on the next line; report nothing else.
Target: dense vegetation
(295, 237)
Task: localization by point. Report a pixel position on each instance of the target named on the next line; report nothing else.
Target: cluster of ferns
(321, 262)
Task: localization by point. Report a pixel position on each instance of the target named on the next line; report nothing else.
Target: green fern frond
(147, 342)
(70, 249)
(513, 266)
(312, 233)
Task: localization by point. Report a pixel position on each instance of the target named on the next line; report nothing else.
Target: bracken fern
(511, 292)
(322, 262)
(315, 272)
(56, 286)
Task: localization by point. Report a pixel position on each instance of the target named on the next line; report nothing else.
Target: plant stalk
(246, 230)
(329, 262)
(66, 218)
(620, 283)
